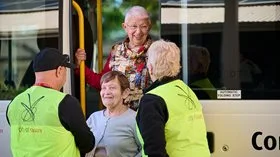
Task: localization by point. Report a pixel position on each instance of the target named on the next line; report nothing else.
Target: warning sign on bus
(228, 94)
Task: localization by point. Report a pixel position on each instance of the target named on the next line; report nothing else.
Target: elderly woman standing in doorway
(128, 56)
(114, 127)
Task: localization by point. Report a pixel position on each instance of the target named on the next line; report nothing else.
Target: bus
(241, 37)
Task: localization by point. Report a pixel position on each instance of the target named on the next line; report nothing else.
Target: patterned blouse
(132, 63)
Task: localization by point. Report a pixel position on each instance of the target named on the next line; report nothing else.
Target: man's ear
(58, 71)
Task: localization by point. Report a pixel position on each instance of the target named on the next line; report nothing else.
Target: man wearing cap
(45, 121)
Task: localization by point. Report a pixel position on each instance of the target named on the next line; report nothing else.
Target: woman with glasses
(128, 56)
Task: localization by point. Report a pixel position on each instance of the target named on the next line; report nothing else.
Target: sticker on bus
(229, 94)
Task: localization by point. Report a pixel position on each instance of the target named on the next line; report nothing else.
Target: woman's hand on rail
(80, 55)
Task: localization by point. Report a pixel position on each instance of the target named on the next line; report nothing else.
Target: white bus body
(238, 128)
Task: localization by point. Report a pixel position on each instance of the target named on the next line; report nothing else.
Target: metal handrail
(82, 64)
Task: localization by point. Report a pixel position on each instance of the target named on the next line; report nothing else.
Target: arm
(92, 78)
(71, 117)
(151, 118)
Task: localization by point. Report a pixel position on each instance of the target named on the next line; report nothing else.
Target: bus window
(25, 28)
(231, 48)
(239, 60)
(43, 40)
(22, 28)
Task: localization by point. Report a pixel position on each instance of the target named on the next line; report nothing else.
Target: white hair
(164, 56)
(136, 11)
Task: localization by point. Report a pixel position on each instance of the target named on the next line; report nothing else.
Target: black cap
(49, 59)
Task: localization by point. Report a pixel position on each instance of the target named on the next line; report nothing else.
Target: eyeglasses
(143, 28)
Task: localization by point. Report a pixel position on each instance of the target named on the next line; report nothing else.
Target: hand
(90, 154)
(80, 55)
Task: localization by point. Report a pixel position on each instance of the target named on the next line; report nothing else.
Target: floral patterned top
(132, 63)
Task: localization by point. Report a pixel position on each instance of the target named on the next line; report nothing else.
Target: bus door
(109, 15)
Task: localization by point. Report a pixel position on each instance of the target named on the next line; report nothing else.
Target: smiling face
(137, 29)
(111, 94)
(137, 25)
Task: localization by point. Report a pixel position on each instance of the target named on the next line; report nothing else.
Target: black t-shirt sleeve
(71, 117)
(151, 118)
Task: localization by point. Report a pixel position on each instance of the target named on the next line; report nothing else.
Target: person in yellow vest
(44, 121)
(198, 65)
(170, 120)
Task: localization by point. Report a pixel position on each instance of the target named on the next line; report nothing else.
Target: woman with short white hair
(169, 119)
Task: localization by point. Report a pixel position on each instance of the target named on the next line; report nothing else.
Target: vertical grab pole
(99, 39)
(82, 65)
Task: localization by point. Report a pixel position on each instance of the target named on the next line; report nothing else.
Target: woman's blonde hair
(164, 56)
